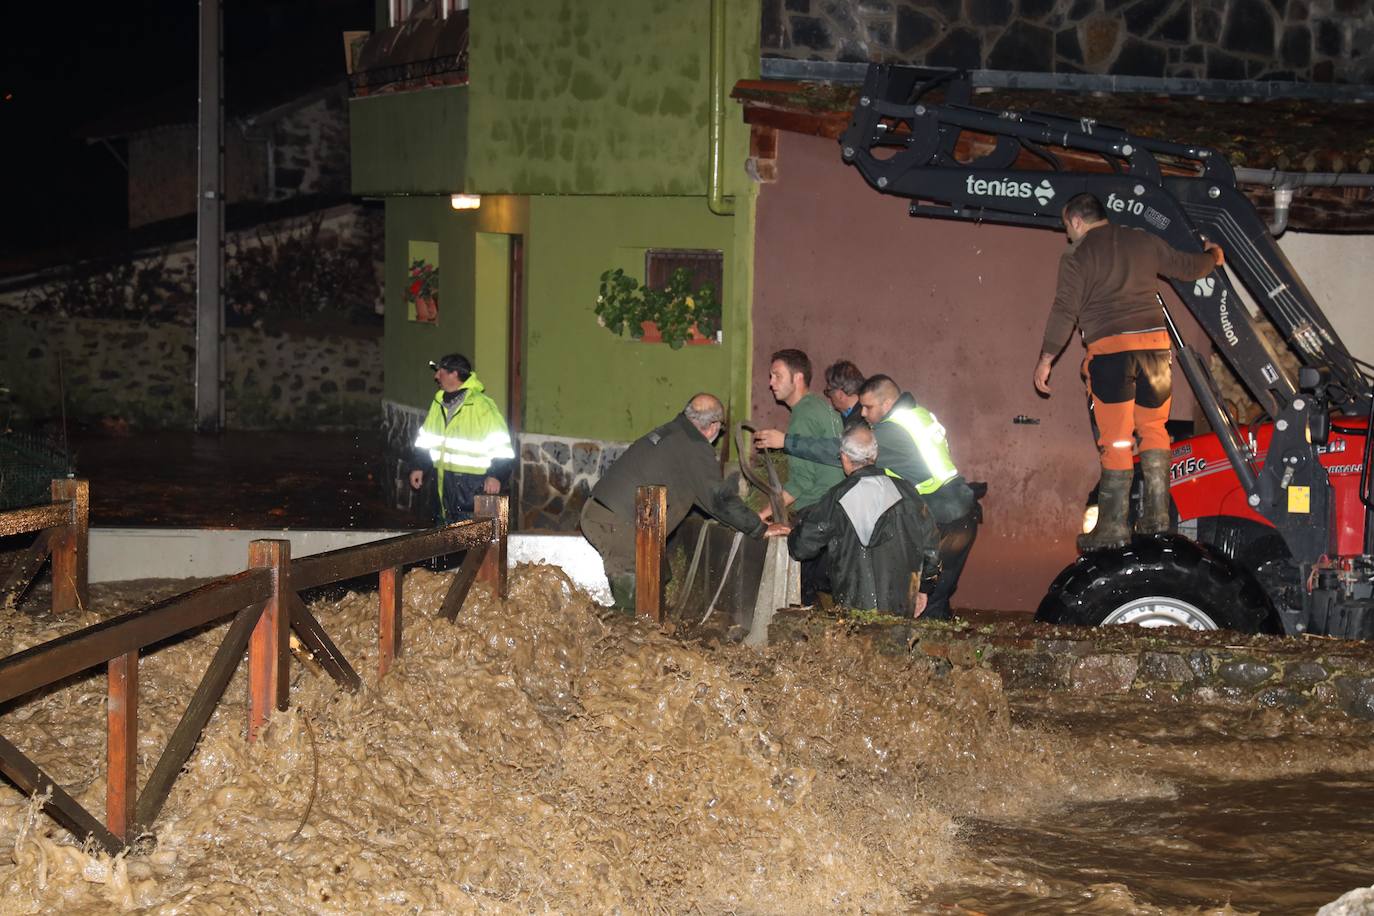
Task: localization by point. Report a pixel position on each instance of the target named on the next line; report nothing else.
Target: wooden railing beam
(493, 570)
(368, 559)
(651, 510)
(49, 662)
(61, 807)
(34, 518)
(71, 547)
(193, 721)
(318, 643)
(269, 649)
(24, 569)
(121, 746)
(389, 604)
(468, 573)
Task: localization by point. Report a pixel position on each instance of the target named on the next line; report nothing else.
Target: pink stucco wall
(954, 312)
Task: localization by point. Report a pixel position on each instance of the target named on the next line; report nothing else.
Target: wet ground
(544, 754)
(237, 480)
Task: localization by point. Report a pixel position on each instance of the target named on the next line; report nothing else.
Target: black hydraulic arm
(908, 149)
(1237, 450)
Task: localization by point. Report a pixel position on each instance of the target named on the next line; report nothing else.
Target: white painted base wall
(121, 554)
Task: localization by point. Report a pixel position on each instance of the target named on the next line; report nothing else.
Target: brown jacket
(1107, 284)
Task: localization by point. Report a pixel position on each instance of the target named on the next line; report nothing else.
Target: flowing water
(544, 755)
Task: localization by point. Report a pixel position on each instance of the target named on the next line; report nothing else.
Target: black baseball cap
(453, 362)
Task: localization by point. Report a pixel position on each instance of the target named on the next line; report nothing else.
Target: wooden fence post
(651, 509)
(121, 748)
(493, 571)
(269, 648)
(388, 618)
(70, 591)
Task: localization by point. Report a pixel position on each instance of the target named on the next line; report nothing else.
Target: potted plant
(674, 314)
(422, 290)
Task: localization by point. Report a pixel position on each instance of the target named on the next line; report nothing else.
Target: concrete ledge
(121, 554)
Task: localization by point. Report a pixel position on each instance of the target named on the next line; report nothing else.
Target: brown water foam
(543, 755)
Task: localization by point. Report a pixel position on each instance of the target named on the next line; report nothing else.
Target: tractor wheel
(1156, 582)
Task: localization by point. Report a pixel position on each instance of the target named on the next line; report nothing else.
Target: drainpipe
(1284, 184)
(716, 199)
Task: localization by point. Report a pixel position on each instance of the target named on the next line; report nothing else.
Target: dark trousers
(815, 572)
(956, 540)
(460, 490)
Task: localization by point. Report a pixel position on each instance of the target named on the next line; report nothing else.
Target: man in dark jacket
(878, 532)
(911, 445)
(679, 456)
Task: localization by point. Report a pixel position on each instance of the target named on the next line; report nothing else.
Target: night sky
(64, 67)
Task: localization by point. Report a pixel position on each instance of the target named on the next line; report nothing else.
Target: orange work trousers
(1130, 380)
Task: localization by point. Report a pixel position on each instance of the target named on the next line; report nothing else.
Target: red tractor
(1275, 521)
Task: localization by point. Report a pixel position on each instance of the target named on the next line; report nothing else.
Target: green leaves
(622, 304)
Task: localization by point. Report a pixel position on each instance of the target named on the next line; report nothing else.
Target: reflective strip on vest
(465, 455)
(929, 436)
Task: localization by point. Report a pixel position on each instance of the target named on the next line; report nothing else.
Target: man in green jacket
(789, 378)
(879, 536)
(677, 455)
(911, 445)
(464, 441)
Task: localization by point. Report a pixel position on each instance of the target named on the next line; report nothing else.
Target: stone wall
(556, 477)
(296, 149)
(1169, 666)
(552, 480)
(308, 151)
(143, 375)
(1320, 40)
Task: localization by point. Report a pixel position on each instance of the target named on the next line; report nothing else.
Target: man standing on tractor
(1107, 287)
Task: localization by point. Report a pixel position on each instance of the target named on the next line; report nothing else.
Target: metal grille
(28, 464)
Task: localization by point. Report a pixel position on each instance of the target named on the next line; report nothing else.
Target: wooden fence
(264, 605)
(63, 534)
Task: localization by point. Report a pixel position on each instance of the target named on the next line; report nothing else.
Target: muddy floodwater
(545, 755)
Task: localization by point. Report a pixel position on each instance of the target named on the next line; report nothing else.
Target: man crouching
(676, 455)
(883, 543)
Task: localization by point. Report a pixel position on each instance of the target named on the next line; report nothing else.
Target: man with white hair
(677, 455)
(883, 544)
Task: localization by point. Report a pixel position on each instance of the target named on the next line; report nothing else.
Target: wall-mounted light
(465, 201)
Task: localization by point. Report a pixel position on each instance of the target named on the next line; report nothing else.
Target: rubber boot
(1113, 498)
(1154, 515)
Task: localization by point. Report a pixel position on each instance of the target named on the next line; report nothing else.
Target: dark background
(66, 69)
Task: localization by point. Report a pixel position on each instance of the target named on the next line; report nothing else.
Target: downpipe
(716, 199)
(1285, 183)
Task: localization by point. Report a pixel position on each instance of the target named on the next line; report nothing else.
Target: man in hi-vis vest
(464, 440)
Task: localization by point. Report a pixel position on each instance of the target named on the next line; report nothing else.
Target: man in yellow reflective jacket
(464, 440)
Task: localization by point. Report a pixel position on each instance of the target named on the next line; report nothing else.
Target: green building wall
(603, 96)
(585, 126)
(581, 380)
(465, 270)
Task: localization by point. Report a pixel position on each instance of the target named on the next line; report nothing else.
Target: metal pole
(210, 223)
